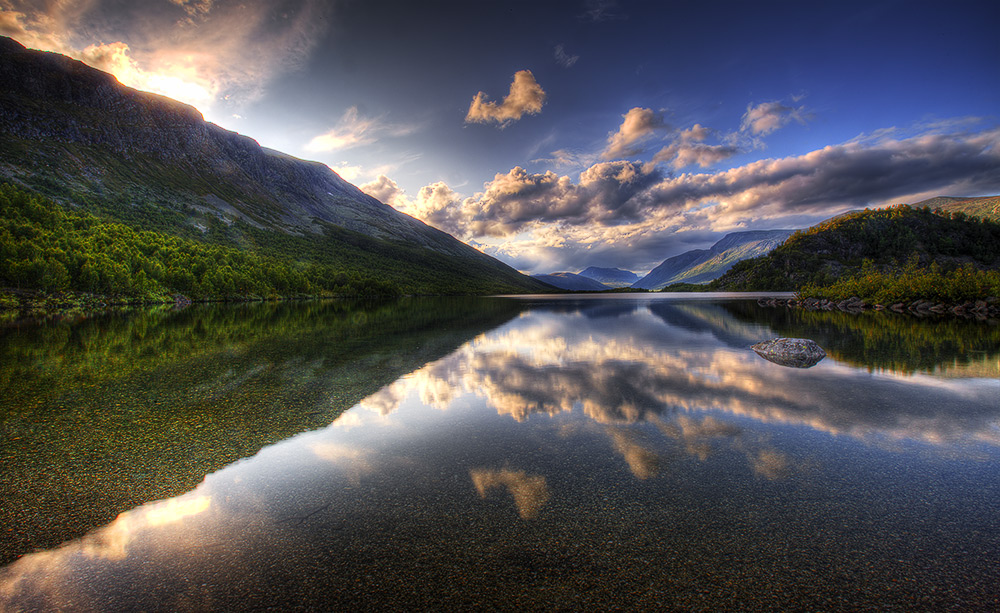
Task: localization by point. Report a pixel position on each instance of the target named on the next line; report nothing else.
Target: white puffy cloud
(689, 148)
(629, 211)
(854, 174)
(637, 125)
(526, 96)
(385, 190)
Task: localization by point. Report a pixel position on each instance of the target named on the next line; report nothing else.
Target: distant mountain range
(704, 265)
(695, 266)
(611, 277)
(75, 134)
(571, 281)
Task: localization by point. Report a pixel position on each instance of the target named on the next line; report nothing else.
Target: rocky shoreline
(979, 309)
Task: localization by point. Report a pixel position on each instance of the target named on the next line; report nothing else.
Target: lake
(576, 452)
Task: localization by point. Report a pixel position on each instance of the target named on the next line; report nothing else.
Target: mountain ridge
(75, 134)
(612, 277)
(704, 265)
(572, 282)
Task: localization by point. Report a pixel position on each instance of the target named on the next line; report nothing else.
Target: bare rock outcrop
(792, 352)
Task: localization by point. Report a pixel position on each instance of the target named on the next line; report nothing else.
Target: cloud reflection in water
(669, 362)
(633, 437)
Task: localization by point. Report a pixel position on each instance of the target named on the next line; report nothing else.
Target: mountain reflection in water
(589, 454)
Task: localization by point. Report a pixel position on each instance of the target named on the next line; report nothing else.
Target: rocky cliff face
(68, 128)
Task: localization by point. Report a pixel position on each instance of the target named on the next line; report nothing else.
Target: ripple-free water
(502, 453)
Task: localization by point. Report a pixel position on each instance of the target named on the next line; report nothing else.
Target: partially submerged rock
(793, 352)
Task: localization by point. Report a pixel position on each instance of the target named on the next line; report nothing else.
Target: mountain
(571, 281)
(888, 239)
(987, 207)
(612, 277)
(704, 265)
(73, 133)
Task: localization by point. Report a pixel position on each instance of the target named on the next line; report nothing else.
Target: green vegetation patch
(49, 248)
(912, 283)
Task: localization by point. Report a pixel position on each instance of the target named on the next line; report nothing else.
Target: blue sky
(560, 135)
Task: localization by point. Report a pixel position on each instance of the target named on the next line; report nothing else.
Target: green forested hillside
(44, 246)
(157, 200)
(874, 242)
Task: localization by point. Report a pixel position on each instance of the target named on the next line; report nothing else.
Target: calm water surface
(540, 453)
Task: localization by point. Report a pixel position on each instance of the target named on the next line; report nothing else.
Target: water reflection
(887, 342)
(530, 492)
(669, 358)
(582, 455)
(102, 414)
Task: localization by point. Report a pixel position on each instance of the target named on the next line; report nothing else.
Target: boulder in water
(793, 352)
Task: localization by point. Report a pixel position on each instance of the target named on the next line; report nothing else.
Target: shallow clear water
(579, 453)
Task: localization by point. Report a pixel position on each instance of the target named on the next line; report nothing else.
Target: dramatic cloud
(354, 130)
(385, 190)
(626, 207)
(197, 51)
(564, 59)
(689, 148)
(436, 204)
(854, 174)
(525, 96)
(767, 117)
(638, 125)
(605, 193)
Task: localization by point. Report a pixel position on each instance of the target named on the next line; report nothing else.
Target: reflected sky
(584, 454)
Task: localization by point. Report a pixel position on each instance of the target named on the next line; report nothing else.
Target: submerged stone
(793, 352)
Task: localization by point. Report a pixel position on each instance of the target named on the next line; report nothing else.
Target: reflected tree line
(105, 413)
(881, 341)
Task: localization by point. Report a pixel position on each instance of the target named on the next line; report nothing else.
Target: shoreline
(980, 310)
(35, 304)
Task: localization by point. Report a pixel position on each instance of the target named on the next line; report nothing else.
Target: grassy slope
(46, 247)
